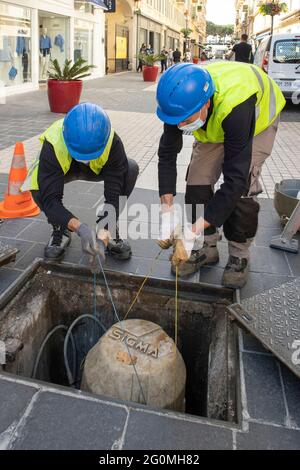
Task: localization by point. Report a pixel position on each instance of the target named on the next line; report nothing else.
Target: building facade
(250, 21)
(155, 22)
(34, 31)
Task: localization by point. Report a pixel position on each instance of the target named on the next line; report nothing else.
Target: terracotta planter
(195, 60)
(150, 73)
(63, 95)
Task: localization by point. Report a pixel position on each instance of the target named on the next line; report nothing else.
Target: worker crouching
(82, 146)
(233, 111)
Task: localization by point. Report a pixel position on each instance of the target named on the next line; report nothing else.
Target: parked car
(279, 57)
(219, 54)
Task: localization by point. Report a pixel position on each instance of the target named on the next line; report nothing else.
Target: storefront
(32, 32)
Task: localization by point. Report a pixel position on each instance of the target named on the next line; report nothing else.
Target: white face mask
(85, 162)
(193, 126)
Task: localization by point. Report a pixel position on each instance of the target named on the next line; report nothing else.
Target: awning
(99, 4)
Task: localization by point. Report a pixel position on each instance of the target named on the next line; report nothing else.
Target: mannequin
(6, 59)
(45, 47)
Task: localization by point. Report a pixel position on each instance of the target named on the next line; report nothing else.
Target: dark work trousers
(163, 65)
(86, 174)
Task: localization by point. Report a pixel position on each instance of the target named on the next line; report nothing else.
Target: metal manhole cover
(273, 317)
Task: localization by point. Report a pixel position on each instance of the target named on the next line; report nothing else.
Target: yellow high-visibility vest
(54, 135)
(235, 82)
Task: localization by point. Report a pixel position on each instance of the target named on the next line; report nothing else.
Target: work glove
(170, 220)
(184, 242)
(91, 246)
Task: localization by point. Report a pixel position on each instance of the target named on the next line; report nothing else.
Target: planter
(63, 95)
(195, 60)
(150, 73)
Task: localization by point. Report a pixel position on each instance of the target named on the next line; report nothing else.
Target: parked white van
(279, 57)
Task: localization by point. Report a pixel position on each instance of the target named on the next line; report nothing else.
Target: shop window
(15, 45)
(83, 40)
(53, 41)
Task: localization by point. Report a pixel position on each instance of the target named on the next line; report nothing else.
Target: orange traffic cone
(17, 204)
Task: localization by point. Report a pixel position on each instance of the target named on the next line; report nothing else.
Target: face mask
(85, 162)
(193, 126)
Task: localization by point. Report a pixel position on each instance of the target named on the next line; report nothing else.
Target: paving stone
(262, 437)
(263, 388)
(14, 399)
(7, 277)
(38, 231)
(23, 246)
(294, 262)
(36, 251)
(292, 392)
(267, 260)
(57, 422)
(146, 431)
(12, 227)
(82, 200)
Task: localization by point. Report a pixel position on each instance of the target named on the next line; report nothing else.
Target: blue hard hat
(86, 131)
(182, 91)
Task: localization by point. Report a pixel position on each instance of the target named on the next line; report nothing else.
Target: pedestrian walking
(149, 50)
(141, 54)
(164, 57)
(243, 51)
(176, 56)
(170, 57)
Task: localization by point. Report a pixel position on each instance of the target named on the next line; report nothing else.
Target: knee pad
(243, 221)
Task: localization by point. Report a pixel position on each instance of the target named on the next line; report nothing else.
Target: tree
(222, 30)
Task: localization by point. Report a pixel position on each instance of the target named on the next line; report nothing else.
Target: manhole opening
(206, 336)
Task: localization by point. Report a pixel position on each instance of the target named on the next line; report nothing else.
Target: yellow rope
(176, 308)
(143, 283)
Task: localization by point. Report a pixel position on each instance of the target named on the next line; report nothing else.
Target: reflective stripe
(272, 105)
(259, 77)
(262, 86)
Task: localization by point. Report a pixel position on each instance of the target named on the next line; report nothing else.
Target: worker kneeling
(81, 146)
(233, 111)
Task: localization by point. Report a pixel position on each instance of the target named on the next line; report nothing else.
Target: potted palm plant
(150, 70)
(65, 84)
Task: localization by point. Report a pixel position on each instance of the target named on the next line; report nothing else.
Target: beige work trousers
(206, 167)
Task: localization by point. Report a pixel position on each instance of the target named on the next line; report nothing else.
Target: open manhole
(51, 295)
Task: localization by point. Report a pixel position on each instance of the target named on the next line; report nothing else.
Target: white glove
(169, 222)
(185, 241)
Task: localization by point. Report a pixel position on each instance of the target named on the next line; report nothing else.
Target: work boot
(57, 244)
(236, 272)
(119, 249)
(207, 255)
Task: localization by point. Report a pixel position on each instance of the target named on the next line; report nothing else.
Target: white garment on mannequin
(44, 66)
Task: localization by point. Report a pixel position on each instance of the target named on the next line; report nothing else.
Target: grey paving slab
(38, 231)
(36, 251)
(7, 277)
(294, 262)
(81, 200)
(267, 260)
(14, 399)
(12, 227)
(262, 437)
(263, 388)
(22, 245)
(292, 393)
(57, 422)
(151, 432)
